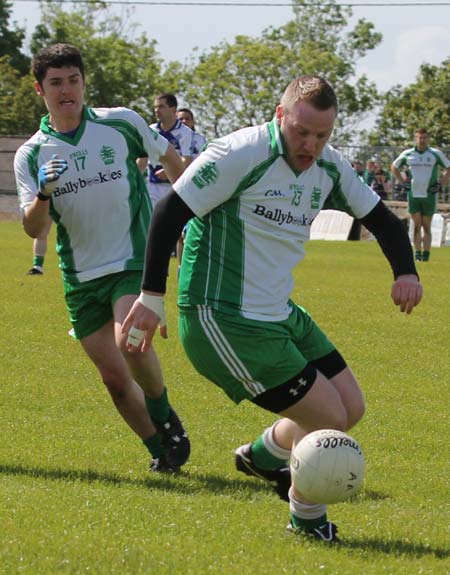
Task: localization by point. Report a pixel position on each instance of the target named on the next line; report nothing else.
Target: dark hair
(187, 111)
(169, 98)
(56, 56)
(314, 89)
(421, 131)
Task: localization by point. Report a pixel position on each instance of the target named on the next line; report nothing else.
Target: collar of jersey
(174, 127)
(47, 129)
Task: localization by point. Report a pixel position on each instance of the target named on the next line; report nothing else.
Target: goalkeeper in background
(423, 162)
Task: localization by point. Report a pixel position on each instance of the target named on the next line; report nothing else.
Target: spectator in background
(358, 166)
(379, 184)
(387, 175)
(186, 117)
(179, 135)
(369, 172)
(424, 164)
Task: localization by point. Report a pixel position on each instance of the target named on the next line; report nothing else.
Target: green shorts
(90, 304)
(425, 206)
(246, 357)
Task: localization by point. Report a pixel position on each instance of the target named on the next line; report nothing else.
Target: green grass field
(75, 493)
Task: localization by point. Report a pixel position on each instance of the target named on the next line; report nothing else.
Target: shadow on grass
(183, 482)
(186, 483)
(395, 547)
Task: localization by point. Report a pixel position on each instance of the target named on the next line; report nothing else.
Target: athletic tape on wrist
(156, 304)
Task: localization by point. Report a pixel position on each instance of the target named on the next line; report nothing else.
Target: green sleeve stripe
(336, 200)
(130, 133)
(32, 162)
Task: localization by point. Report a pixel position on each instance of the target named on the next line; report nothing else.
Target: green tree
(20, 105)
(11, 40)
(234, 85)
(424, 104)
(122, 68)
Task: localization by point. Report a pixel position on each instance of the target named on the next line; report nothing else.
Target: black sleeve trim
(169, 217)
(393, 239)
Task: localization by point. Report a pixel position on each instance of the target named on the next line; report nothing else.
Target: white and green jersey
(423, 167)
(101, 205)
(254, 214)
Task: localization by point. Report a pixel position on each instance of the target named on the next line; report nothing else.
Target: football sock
(154, 445)
(425, 256)
(306, 516)
(418, 255)
(158, 408)
(38, 261)
(267, 454)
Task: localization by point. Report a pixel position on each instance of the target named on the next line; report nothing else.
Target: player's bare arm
(172, 164)
(169, 218)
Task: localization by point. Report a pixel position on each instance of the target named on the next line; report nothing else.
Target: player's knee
(114, 383)
(355, 414)
(338, 419)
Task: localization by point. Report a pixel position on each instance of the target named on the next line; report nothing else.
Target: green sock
(158, 408)
(418, 255)
(38, 261)
(307, 524)
(154, 445)
(425, 256)
(263, 458)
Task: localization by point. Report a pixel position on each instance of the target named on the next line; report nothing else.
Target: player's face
(421, 141)
(305, 130)
(163, 112)
(185, 119)
(63, 93)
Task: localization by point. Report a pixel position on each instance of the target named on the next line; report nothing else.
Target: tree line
(230, 85)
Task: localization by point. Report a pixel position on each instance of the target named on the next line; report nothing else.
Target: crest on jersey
(107, 154)
(206, 175)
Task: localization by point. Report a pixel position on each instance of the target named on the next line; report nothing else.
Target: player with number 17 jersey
(102, 175)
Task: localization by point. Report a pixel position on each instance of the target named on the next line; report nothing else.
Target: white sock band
(305, 510)
(272, 447)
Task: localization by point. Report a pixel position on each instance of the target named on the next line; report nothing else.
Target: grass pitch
(76, 496)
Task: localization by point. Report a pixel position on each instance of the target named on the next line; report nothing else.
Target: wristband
(42, 197)
(154, 303)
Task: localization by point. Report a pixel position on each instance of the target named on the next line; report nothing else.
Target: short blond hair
(314, 89)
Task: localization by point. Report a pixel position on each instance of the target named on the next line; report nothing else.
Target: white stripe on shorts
(226, 352)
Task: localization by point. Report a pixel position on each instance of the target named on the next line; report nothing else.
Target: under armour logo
(301, 383)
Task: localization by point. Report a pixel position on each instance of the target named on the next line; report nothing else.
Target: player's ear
(279, 113)
(38, 88)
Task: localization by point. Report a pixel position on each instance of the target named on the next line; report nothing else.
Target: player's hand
(436, 188)
(161, 174)
(407, 292)
(49, 174)
(145, 315)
